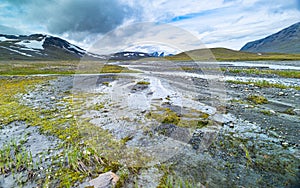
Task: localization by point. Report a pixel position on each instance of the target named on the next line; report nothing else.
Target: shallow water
(280, 65)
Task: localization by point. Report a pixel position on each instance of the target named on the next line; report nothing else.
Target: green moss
(203, 123)
(105, 83)
(195, 119)
(290, 111)
(126, 139)
(257, 99)
(170, 117)
(282, 73)
(247, 155)
(266, 112)
(98, 106)
(204, 115)
(143, 83)
(263, 84)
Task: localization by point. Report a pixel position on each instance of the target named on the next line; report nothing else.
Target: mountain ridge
(286, 40)
(47, 47)
(40, 47)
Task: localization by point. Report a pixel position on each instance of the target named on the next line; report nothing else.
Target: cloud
(150, 35)
(61, 16)
(9, 30)
(227, 23)
(240, 21)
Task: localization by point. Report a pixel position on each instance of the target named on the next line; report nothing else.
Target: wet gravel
(244, 147)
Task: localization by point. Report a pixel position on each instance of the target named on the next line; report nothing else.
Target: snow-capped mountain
(129, 55)
(46, 47)
(157, 54)
(40, 47)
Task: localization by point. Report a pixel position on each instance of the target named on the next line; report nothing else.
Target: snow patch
(77, 49)
(33, 44)
(97, 56)
(29, 49)
(22, 53)
(4, 39)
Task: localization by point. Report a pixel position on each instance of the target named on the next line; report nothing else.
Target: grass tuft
(257, 99)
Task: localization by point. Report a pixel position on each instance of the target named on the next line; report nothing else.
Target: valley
(152, 123)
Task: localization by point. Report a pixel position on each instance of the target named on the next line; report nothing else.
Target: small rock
(272, 112)
(280, 93)
(231, 125)
(285, 144)
(69, 116)
(296, 111)
(52, 98)
(297, 95)
(106, 180)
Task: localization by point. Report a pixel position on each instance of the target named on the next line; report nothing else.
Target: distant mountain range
(284, 41)
(46, 47)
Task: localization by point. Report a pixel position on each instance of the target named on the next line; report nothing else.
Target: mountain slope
(284, 41)
(224, 54)
(39, 47)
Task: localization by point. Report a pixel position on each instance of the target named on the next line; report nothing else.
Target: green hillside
(224, 54)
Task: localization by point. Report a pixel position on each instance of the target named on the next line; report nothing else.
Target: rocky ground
(175, 123)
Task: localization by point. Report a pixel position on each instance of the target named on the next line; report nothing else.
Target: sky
(106, 25)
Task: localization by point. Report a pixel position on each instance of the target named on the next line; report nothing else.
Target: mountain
(135, 55)
(46, 47)
(40, 47)
(284, 41)
(157, 54)
(128, 55)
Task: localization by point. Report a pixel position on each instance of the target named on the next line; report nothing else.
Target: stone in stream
(285, 144)
(296, 111)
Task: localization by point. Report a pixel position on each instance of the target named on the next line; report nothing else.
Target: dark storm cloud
(63, 16)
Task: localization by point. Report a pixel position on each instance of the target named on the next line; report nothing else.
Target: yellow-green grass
(81, 154)
(143, 83)
(196, 119)
(263, 84)
(257, 99)
(59, 67)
